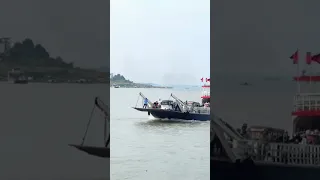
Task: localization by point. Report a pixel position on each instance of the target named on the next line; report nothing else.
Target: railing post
(302, 100)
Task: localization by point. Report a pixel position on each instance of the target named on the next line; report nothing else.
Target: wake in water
(156, 120)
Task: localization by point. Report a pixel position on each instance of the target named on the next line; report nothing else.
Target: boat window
(306, 123)
(166, 102)
(258, 133)
(205, 100)
(255, 135)
(195, 104)
(190, 103)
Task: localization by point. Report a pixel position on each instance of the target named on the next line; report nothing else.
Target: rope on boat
(105, 129)
(88, 125)
(137, 100)
(105, 133)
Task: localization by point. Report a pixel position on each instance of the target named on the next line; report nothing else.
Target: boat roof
(166, 100)
(307, 78)
(193, 102)
(262, 128)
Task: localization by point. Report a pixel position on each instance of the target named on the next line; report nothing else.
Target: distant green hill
(28, 54)
(36, 61)
(118, 78)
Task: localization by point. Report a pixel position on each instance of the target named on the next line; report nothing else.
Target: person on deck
(145, 103)
(155, 104)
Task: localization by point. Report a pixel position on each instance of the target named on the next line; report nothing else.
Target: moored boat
(16, 76)
(99, 151)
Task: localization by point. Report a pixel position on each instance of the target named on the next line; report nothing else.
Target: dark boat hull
(20, 82)
(249, 170)
(92, 150)
(166, 114)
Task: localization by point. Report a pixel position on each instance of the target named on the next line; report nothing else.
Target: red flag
(295, 57)
(207, 79)
(308, 58)
(316, 58)
(201, 79)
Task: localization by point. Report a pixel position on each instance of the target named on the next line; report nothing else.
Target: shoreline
(142, 87)
(83, 83)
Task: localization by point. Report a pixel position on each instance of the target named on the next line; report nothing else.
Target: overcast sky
(255, 36)
(166, 42)
(76, 30)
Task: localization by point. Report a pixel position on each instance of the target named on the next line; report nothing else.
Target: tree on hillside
(119, 77)
(27, 54)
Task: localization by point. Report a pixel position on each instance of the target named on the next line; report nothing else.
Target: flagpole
(298, 78)
(310, 68)
(298, 73)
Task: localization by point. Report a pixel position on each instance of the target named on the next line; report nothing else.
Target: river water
(38, 121)
(144, 149)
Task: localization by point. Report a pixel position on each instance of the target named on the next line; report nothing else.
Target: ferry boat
(267, 153)
(16, 76)
(178, 109)
(98, 151)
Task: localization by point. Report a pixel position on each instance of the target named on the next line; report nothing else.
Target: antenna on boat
(295, 58)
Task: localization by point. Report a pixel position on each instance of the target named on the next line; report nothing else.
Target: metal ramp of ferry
(178, 100)
(220, 129)
(181, 104)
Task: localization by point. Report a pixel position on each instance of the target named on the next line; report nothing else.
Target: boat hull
(249, 170)
(167, 114)
(102, 152)
(20, 82)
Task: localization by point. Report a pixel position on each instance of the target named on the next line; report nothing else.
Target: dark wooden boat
(102, 151)
(177, 114)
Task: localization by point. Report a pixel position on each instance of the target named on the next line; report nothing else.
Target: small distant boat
(116, 86)
(16, 76)
(99, 151)
(245, 84)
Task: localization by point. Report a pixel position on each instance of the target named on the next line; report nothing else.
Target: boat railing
(282, 153)
(199, 110)
(307, 102)
(205, 93)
